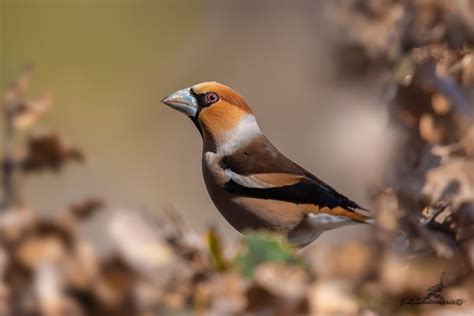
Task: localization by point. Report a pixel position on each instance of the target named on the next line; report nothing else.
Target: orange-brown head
(217, 111)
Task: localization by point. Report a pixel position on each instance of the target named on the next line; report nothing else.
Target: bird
(252, 184)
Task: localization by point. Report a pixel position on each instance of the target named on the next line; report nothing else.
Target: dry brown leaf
(440, 103)
(48, 151)
(453, 181)
(467, 71)
(351, 261)
(29, 112)
(223, 294)
(468, 142)
(81, 266)
(287, 282)
(114, 285)
(401, 274)
(38, 250)
(333, 297)
(428, 130)
(85, 208)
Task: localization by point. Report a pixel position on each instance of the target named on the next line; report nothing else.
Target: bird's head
(217, 111)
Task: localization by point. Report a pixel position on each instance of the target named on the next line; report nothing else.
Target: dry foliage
(157, 265)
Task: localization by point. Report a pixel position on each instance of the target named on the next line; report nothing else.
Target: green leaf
(215, 248)
(260, 247)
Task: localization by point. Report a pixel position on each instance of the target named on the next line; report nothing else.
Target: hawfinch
(251, 183)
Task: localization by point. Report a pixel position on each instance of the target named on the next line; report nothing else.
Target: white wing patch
(322, 221)
(263, 180)
(247, 181)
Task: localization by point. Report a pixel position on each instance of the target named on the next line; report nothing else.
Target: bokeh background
(109, 63)
(373, 96)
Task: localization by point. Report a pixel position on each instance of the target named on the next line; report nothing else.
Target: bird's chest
(226, 202)
(214, 174)
(215, 179)
(244, 211)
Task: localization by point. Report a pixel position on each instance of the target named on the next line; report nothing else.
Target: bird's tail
(366, 217)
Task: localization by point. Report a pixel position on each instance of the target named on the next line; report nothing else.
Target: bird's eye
(211, 97)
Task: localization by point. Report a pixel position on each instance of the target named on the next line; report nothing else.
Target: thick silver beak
(182, 101)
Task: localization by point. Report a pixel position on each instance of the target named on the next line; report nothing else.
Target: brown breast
(246, 212)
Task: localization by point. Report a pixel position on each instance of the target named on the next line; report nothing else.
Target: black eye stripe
(205, 99)
(200, 98)
(201, 101)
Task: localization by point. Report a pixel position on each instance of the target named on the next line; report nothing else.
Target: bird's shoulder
(260, 156)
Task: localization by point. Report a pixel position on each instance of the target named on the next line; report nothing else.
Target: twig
(11, 105)
(8, 164)
(433, 213)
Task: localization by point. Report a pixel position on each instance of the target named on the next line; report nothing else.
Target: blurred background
(109, 63)
(373, 96)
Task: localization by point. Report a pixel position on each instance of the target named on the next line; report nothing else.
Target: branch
(10, 107)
